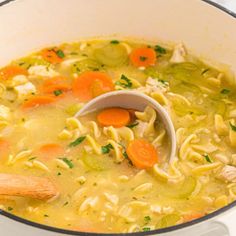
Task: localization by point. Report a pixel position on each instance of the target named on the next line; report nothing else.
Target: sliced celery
(168, 220)
(181, 109)
(95, 162)
(111, 55)
(186, 71)
(184, 87)
(182, 191)
(85, 65)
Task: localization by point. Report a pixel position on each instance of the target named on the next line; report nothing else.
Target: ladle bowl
(132, 100)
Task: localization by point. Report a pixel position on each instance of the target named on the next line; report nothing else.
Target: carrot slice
(193, 216)
(142, 154)
(4, 148)
(116, 117)
(143, 57)
(10, 71)
(51, 55)
(38, 101)
(91, 84)
(50, 151)
(58, 83)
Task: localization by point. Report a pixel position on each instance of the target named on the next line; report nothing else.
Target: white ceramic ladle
(132, 100)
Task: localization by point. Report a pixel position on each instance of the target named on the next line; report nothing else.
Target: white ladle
(132, 100)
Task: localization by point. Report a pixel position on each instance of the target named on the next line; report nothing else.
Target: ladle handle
(27, 186)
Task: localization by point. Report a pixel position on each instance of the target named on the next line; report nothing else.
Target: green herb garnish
(132, 125)
(107, 148)
(233, 127)
(60, 53)
(77, 141)
(208, 159)
(114, 41)
(59, 173)
(68, 162)
(163, 81)
(9, 208)
(147, 219)
(95, 69)
(32, 158)
(143, 58)
(46, 215)
(204, 71)
(125, 155)
(57, 92)
(160, 49)
(66, 203)
(127, 82)
(225, 91)
(146, 229)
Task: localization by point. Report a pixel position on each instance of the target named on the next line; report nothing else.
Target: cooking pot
(207, 29)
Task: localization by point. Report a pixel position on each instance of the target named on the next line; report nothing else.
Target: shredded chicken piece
(228, 173)
(154, 85)
(179, 54)
(141, 127)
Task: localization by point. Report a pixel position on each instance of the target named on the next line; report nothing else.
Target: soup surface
(111, 168)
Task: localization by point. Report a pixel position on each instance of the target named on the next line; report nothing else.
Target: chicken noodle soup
(111, 167)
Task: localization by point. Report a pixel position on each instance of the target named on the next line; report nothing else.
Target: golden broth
(100, 192)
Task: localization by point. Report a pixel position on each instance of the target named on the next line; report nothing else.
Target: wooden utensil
(27, 186)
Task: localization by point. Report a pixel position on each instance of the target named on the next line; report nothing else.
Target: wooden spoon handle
(27, 186)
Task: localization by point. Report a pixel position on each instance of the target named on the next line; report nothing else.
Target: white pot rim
(152, 232)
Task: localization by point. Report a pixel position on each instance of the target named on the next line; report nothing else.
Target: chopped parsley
(57, 92)
(142, 58)
(60, 53)
(9, 208)
(95, 69)
(114, 41)
(77, 141)
(59, 173)
(32, 158)
(205, 71)
(68, 162)
(147, 219)
(107, 148)
(146, 229)
(125, 155)
(225, 91)
(66, 203)
(132, 125)
(208, 159)
(126, 83)
(160, 49)
(233, 127)
(46, 215)
(163, 82)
